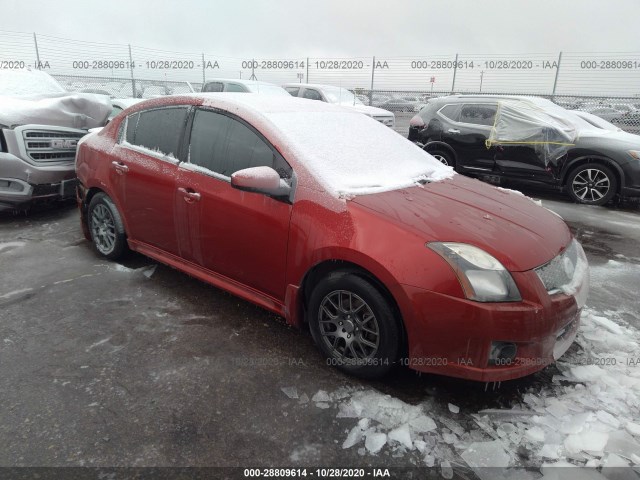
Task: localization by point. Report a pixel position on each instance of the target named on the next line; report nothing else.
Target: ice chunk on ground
(486, 454)
(575, 423)
(535, 434)
(606, 417)
(429, 460)
(449, 438)
(617, 468)
(354, 437)
(402, 435)
(454, 408)
(304, 398)
(420, 445)
(321, 396)
(557, 408)
(623, 444)
(149, 271)
(590, 442)
(322, 405)
(633, 428)
(422, 424)
(375, 442)
(550, 451)
(610, 325)
(446, 470)
(291, 392)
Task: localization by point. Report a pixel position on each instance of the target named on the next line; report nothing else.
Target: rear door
(466, 127)
(239, 235)
(145, 171)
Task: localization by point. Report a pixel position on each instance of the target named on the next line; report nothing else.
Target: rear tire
(592, 184)
(106, 227)
(354, 325)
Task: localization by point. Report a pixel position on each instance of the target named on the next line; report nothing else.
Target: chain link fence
(601, 83)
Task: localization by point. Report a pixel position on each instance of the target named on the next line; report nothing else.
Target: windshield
(340, 95)
(27, 82)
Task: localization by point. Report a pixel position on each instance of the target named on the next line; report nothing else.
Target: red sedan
(326, 217)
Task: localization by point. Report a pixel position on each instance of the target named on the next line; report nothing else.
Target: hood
(506, 224)
(598, 136)
(74, 110)
(367, 110)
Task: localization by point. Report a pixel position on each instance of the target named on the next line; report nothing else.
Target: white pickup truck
(340, 96)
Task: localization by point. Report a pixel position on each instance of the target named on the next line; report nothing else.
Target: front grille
(49, 147)
(559, 271)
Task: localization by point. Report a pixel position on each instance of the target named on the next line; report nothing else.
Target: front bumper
(454, 336)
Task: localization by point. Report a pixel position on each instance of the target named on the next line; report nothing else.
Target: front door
(240, 235)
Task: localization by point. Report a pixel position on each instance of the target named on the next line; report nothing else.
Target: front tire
(354, 325)
(592, 184)
(443, 157)
(106, 227)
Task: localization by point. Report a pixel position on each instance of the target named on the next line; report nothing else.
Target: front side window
(312, 94)
(234, 87)
(452, 112)
(158, 130)
(478, 114)
(224, 145)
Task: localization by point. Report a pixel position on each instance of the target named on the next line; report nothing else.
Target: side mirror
(260, 180)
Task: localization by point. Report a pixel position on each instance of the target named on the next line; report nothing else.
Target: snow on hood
(352, 154)
(74, 110)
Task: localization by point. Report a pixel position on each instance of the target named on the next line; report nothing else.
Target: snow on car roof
(349, 153)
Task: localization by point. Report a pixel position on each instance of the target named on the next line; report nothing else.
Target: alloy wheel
(348, 326)
(103, 229)
(591, 185)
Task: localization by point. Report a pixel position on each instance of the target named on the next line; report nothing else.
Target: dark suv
(529, 139)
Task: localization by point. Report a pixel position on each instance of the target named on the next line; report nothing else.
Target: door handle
(453, 130)
(189, 196)
(121, 168)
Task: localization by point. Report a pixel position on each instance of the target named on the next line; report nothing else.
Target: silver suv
(40, 126)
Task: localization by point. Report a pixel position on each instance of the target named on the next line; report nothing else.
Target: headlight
(483, 278)
(634, 153)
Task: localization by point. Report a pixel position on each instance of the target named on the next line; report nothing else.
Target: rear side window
(213, 87)
(234, 87)
(478, 114)
(158, 129)
(293, 90)
(224, 145)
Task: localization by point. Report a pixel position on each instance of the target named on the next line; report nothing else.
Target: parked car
(243, 86)
(329, 218)
(604, 112)
(596, 121)
(40, 125)
(401, 105)
(532, 140)
(339, 96)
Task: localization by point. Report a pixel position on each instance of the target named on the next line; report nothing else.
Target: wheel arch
(90, 193)
(325, 267)
(600, 159)
(440, 145)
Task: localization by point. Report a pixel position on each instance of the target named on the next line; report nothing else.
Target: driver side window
(225, 145)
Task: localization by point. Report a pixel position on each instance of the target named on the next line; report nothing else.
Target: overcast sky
(331, 27)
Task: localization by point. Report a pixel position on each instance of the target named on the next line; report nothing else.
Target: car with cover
(332, 220)
(529, 139)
